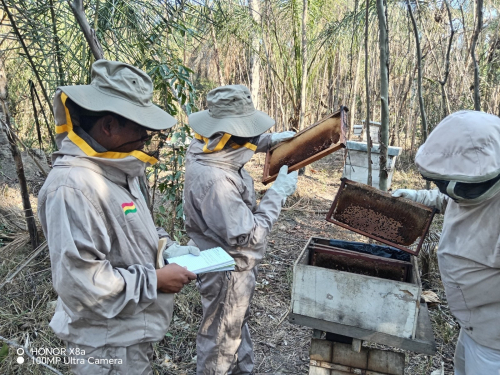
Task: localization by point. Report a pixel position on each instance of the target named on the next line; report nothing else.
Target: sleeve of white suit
(433, 198)
(232, 220)
(264, 142)
(82, 275)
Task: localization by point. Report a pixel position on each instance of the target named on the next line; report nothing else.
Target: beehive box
(372, 294)
(311, 144)
(356, 165)
(359, 300)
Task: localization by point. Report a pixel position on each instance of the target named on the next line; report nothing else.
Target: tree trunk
(16, 155)
(352, 109)
(254, 7)
(367, 85)
(303, 86)
(444, 98)
(49, 129)
(88, 32)
(479, 26)
(423, 116)
(384, 93)
(216, 54)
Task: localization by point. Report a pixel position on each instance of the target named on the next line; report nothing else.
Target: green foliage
(169, 174)
(4, 352)
(138, 32)
(174, 89)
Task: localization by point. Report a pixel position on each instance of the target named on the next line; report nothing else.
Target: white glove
(406, 193)
(280, 137)
(285, 183)
(176, 250)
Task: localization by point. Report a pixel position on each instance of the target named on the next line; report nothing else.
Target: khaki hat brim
(92, 99)
(241, 126)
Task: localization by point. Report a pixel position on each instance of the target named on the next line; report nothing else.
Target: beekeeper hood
(462, 156)
(231, 123)
(115, 87)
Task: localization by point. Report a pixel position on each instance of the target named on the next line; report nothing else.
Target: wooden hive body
(369, 302)
(336, 286)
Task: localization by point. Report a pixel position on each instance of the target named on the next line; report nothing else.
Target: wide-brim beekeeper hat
(122, 89)
(462, 156)
(231, 111)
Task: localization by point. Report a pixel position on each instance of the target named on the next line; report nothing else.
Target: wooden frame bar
(342, 113)
(331, 212)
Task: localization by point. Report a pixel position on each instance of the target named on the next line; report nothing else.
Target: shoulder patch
(129, 208)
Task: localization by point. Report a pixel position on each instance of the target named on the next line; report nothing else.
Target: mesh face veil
(463, 192)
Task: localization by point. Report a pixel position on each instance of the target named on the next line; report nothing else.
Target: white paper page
(207, 260)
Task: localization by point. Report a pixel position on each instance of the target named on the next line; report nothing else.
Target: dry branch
(37, 251)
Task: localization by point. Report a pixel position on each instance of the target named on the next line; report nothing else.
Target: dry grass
(280, 347)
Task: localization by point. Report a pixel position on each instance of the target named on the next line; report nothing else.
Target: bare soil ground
(280, 347)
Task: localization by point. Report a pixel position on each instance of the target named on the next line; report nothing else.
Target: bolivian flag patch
(129, 208)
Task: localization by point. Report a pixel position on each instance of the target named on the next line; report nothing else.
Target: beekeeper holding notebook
(462, 157)
(113, 304)
(221, 210)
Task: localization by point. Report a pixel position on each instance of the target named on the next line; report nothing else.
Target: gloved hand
(285, 183)
(280, 137)
(406, 193)
(176, 250)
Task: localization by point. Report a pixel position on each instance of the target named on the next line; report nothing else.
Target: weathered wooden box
(358, 300)
(370, 293)
(311, 144)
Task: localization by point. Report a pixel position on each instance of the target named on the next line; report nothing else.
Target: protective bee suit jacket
(102, 242)
(219, 200)
(465, 147)
(221, 210)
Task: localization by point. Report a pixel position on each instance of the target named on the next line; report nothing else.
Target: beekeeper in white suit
(113, 305)
(462, 157)
(221, 210)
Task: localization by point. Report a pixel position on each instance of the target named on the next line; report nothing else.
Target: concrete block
(321, 350)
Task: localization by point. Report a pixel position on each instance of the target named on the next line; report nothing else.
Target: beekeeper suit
(221, 210)
(462, 157)
(112, 302)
